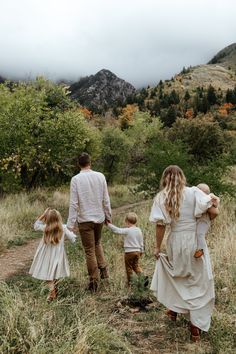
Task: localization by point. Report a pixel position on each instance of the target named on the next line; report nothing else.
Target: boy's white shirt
(133, 241)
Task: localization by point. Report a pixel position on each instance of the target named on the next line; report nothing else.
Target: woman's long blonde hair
(172, 183)
(54, 230)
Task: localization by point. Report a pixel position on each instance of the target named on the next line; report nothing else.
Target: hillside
(226, 57)
(101, 91)
(207, 90)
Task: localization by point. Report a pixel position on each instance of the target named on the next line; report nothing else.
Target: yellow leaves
(127, 115)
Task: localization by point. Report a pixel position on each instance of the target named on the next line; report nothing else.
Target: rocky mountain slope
(226, 57)
(101, 91)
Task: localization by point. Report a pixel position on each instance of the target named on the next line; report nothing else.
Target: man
(90, 206)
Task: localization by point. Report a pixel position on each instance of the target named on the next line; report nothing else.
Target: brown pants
(91, 234)
(132, 264)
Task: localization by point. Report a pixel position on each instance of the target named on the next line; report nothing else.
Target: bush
(41, 134)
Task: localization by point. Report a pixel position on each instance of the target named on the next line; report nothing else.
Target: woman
(181, 282)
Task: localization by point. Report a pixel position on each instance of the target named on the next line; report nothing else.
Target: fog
(141, 41)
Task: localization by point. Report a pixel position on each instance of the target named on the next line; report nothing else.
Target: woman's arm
(160, 232)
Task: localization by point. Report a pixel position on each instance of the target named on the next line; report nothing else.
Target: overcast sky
(141, 41)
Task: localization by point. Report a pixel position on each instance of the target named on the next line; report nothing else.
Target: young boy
(204, 222)
(133, 244)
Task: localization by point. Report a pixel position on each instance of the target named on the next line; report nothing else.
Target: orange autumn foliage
(189, 113)
(87, 114)
(224, 109)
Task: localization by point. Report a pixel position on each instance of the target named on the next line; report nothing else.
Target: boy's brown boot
(93, 285)
(199, 253)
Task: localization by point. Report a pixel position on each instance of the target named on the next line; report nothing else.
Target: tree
(169, 117)
(173, 98)
(211, 95)
(187, 96)
(40, 139)
(114, 152)
(204, 139)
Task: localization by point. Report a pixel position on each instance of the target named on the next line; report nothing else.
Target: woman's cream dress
(181, 282)
(50, 261)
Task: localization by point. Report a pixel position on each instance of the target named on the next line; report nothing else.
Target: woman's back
(187, 219)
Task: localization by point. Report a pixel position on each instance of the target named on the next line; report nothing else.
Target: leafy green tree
(113, 153)
(41, 134)
(204, 139)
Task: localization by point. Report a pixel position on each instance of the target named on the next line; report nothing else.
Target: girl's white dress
(50, 261)
(181, 282)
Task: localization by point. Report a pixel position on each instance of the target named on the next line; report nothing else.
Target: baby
(204, 222)
(133, 245)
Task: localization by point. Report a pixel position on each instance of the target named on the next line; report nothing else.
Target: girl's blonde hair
(54, 230)
(172, 183)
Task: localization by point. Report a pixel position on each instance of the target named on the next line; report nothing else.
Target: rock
(101, 91)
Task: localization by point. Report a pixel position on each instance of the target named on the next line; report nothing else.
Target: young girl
(50, 261)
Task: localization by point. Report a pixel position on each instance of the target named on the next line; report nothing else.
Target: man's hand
(157, 253)
(107, 221)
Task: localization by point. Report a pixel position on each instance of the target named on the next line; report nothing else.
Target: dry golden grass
(18, 212)
(83, 323)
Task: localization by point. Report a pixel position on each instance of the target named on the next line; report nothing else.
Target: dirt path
(17, 258)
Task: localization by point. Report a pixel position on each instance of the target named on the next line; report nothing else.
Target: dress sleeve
(202, 202)
(69, 234)
(39, 225)
(158, 212)
(118, 230)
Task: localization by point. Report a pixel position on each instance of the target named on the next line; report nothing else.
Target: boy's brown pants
(132, 264)
(91, 234)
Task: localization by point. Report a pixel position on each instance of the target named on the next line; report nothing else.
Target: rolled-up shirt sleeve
(74, 204)
(106, 201)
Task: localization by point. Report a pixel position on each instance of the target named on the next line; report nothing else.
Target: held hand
(107, 221)
(157, 253)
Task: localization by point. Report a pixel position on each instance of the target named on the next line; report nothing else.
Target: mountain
(226, 57)
(101, 91)
(2, 79)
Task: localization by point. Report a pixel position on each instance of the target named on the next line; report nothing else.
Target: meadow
(80, 322)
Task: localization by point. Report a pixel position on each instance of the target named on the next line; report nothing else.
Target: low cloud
(141, 41)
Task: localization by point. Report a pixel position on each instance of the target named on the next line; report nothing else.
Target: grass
(102, 324)
(18, 212)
